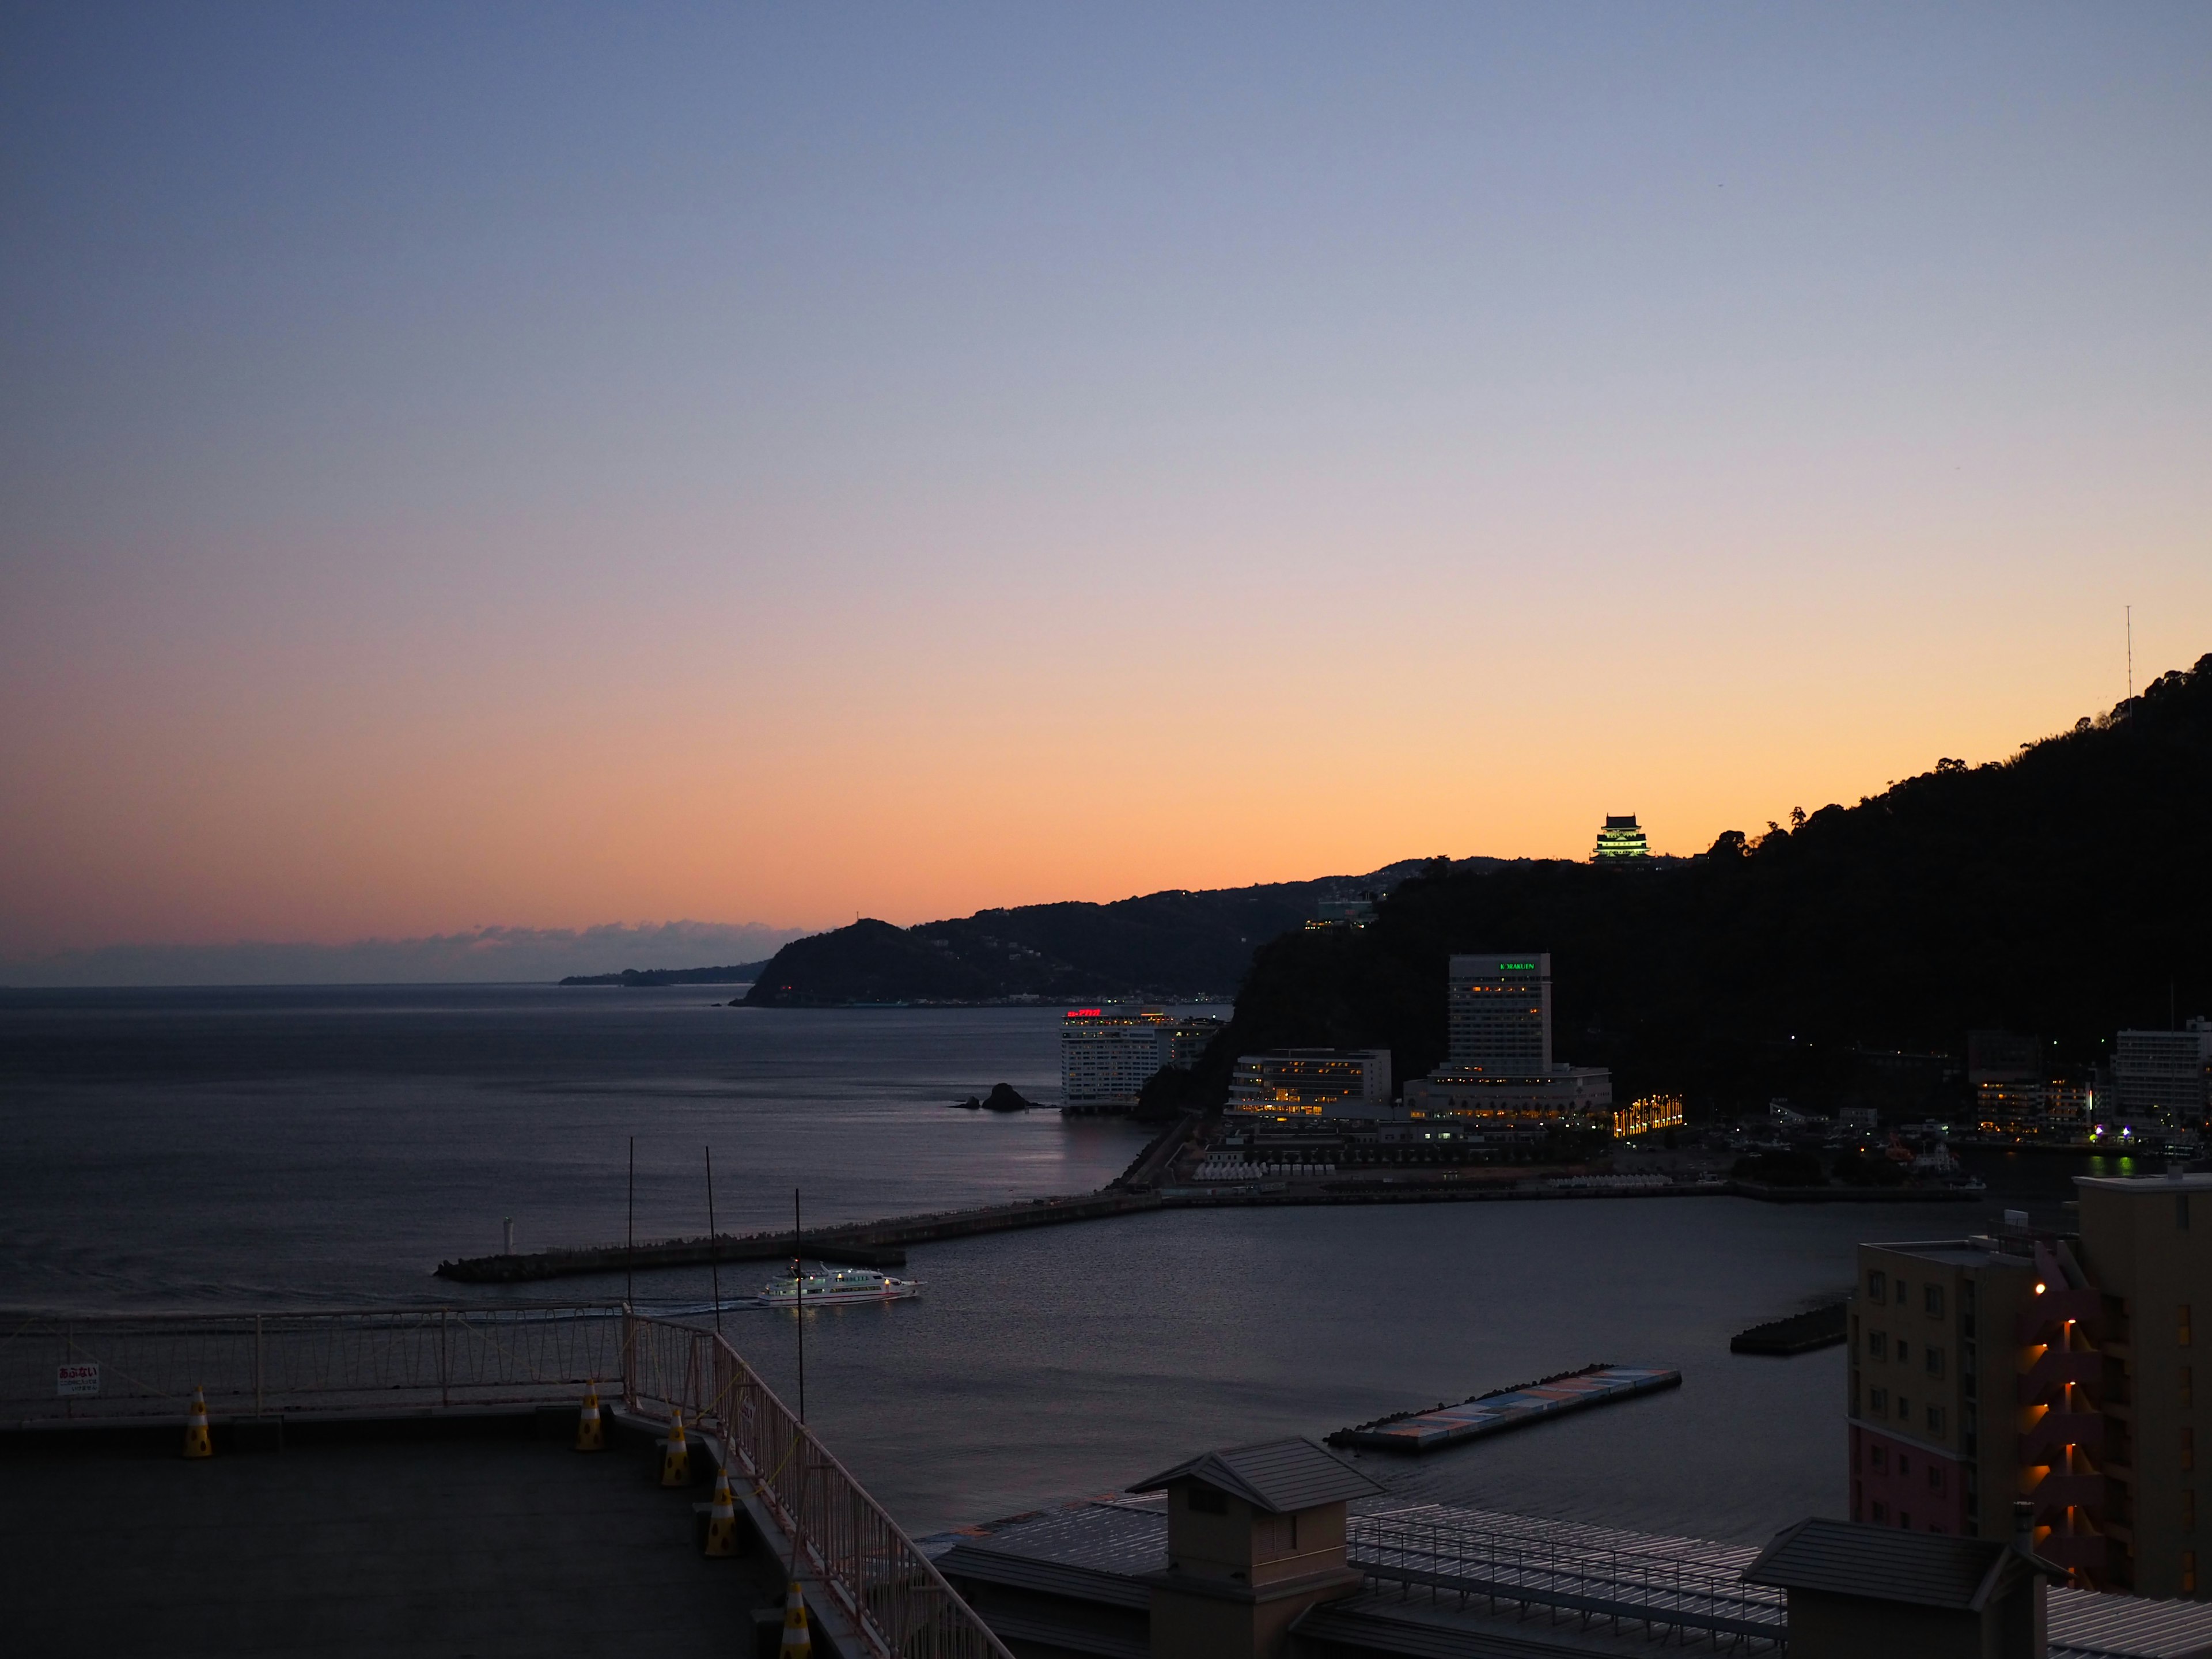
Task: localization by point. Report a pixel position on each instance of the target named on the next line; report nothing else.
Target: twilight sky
(537, 467)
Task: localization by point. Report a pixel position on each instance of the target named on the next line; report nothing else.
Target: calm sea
(267, 1148)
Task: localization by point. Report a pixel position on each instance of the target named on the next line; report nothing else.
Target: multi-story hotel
(2059, 1371)
(1313, 1083)
(1500, 1062)
(2053, 1110)
(2163, 1075)
(1107, 1053)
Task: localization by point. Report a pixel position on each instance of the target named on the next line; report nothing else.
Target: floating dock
(1820, 1328)
(1507, 1409)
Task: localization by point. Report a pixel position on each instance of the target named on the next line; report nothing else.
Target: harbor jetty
(860, 1243)
(1507, 1409)
(1818, 1327)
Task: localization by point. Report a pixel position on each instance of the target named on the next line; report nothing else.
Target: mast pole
(798, 1297)
(713, 1241)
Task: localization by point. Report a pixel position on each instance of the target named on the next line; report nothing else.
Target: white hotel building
(1107, 1053)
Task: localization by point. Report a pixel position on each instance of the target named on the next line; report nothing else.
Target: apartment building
(2055, 1371)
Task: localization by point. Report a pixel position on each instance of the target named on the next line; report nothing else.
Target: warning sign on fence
(76, 1381)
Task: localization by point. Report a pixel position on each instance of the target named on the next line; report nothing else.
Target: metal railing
(124, 1368)
(887, 1587)
(1673, 1601)
(148, 1365)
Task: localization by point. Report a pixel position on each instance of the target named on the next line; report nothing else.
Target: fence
(1674, 1599)
(124, 1368)
(888, 1587)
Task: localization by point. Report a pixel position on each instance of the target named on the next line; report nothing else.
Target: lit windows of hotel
(2163, 1076)
(1621, 838)
(1313, 1083)
(1107, 1053)
(1500, 1010)
(1500, 1061)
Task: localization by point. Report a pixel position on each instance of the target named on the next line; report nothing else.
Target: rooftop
(1957, 1252)
(1444, 1582)
(1886, 1563)
(1277, 1476)
(2187, 1182)
(481, 1545)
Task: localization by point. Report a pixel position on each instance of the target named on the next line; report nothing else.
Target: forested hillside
(1185, 947)
(2064, 892)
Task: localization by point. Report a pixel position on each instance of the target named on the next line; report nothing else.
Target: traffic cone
(197, 1443)
(675, 1456)
(722, 1517)
(796, 1645)
(590, 1435)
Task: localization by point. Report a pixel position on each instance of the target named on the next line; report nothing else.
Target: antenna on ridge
(2130, 611)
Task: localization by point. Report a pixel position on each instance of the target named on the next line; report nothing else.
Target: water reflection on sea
(280, 1147)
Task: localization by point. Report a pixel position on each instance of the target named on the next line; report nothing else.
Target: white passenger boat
(830, 1285)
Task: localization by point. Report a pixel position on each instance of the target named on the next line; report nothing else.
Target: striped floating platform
(1507, 1409)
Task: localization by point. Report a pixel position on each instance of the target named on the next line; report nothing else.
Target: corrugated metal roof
(1566, 1534)
(1103, 1539)
(989, 1567)
(1278, 1476)
(1072, 1636)
(1378, 1624)
(2085, 1625)
(1886, 1563)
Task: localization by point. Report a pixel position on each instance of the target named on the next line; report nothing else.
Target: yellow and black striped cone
(197, 1443)
(722, 1517)
(796, 1645)
(591, 1435)
(676, 1457)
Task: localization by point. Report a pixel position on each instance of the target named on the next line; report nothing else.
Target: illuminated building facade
(1647, 1113)
(1500, 1012)
(1621, 838)
(2036, 1110)
(1107, 1053)
(2059, 1371)
(1500, 1062)
(1313, 1083)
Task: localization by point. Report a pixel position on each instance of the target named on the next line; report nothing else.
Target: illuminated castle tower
(1620, 839)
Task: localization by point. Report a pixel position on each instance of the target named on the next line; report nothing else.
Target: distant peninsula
(742, 973)
(1179, 945)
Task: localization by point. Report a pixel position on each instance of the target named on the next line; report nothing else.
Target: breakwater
(860, 1244)
(1818, 1327)
(885, 1243)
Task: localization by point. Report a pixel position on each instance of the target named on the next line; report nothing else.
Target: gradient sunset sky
(540, 466)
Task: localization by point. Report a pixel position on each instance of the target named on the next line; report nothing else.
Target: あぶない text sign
(76, 1381)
